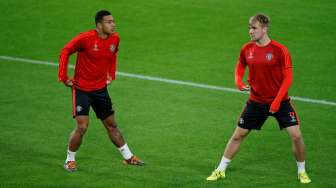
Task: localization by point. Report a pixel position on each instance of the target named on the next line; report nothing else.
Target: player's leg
(298, 148)
(77, 134)
(298, 145)
(252, 117)
(230, 151)
(233, 145)
(81, 108)
(75, 141)
(113, 132)
(102, 106)
(288, 119)
(118, 140)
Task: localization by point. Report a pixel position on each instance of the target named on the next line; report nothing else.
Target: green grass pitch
(179, 131)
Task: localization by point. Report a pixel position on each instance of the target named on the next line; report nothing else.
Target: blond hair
(261, 18)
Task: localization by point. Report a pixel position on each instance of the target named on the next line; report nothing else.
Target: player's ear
(99, 25)
(265, 29)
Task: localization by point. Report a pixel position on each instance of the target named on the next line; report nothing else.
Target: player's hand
(245, 88)
(274, 107)
(68, 83)
(109, 80)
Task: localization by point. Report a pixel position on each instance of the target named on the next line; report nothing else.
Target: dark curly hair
(100, 14)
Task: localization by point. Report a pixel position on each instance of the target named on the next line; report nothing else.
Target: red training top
(96, 60)
(270, 72)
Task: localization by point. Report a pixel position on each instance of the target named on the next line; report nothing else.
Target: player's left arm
(111, 73)
(286, 83)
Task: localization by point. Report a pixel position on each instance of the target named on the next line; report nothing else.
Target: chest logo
(112, 48)
(250, 54)
(95, 47)
(269, 56)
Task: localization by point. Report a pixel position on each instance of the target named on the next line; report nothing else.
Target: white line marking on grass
(177, 82)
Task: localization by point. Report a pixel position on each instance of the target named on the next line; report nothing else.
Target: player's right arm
(70, 48)
(239, 73)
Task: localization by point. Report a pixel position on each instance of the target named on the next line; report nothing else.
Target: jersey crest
(112, 48)
(269, 56)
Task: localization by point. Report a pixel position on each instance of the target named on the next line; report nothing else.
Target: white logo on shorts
(241, 121)
(78, 108)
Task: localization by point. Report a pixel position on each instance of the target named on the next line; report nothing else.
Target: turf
(179, 131)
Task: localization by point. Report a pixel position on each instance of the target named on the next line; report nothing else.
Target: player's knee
(82, 125)
(81, 130)
(296, 138)
(110, 122)
(237, 138)
(112, 125)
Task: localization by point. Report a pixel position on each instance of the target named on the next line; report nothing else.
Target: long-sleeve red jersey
(270, 72)
(96, 60)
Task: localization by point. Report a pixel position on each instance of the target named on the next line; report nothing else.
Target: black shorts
(99, 100)
(255, 114)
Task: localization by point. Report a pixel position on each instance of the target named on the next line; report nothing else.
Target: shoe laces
(71, 164)
(304, 175)
(134, 160)
(217, 173)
